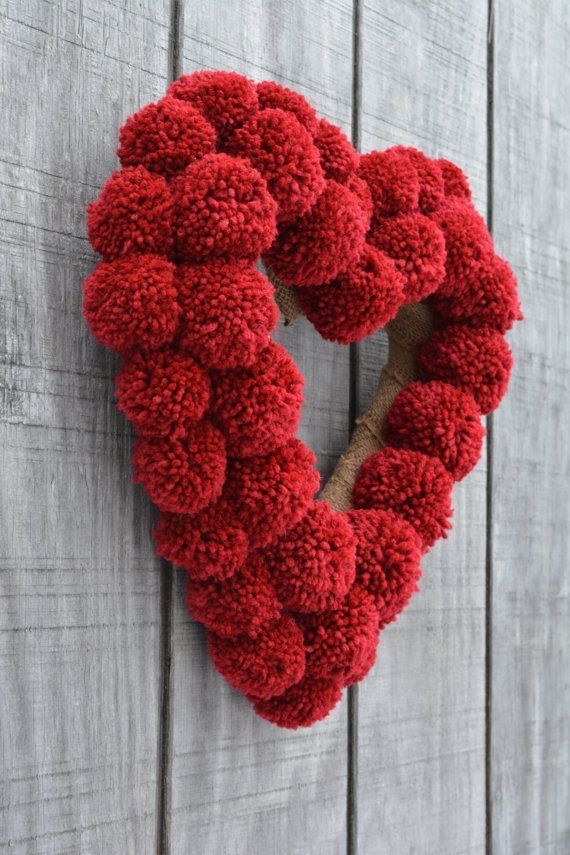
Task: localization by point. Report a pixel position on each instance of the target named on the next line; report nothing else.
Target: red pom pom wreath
(160, 393)
(313, 565)
(165, 137)
(271, 493)
(359, 302)
(415, 486)
(439, 420)
(131, 303)
(477, 360)
(393, 182)
(282, 151)
(273, 95)
(388, 555)
(223, 208)
(132, 214)
(323, 243)
(417, 247)
(338, 642)
(210, 543)
(338, 158)
(227, 312)
(302, 705)
(218, 173)
(264, 666)
(245, 604)
(258, 408)
(182, 475)
(225, 98)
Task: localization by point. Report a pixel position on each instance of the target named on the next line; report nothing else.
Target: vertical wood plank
(420, 728)
(79, 599)
(236, 783)
(530, 656)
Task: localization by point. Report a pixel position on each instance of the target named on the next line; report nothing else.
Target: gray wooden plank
(420, 781)
(238, 784)
(530, 650)
(79, 587)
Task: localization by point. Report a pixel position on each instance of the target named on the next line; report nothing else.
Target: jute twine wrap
(411, 327)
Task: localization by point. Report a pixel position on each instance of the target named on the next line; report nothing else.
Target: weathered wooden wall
(116, 736)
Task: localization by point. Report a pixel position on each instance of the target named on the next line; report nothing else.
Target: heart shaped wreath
(293, 591)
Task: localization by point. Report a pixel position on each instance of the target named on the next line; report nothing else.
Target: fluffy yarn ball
(415, 486)
(417, 247)
(227, 312)
(388, 555)
(182, 475)
(302, 705)
(161, 392)
(359, 302)
(393, 182)
(338, 642)
(258, 408)
(322, 244)
(455, 183)
(338, 157)
(312, 566)
(132, 214)
(282, 151)
(210, 543)
(477, 360)
(130, 303)
(165, 137)
(430, 177)
(440, 421)
(245, 604)
(223, 208)
(264, 666)
(272, 492)
(273, 95)
(467, 241)
(225, 98)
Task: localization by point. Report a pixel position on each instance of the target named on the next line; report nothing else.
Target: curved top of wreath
(216, 174)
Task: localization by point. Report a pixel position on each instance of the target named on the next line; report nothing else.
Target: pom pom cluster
(221, 171)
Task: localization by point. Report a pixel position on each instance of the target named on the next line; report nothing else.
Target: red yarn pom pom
(439, 420)
(208, 544)
(131, 303)
(283, 152)
(312, 566)
(415, 486)
(467, 241)
(223, 208)
(132, 214)
(338, 157)
(302, 705)
(359, 302)
(273, 95)
(225, 98)
(388, 554)
(393, 182)
(258, 408)
(182, 475)
(489, 298)
(476, 360)
(417, 247)
(339, 642)
(360, 189)
(271, 493)
(430, 177)
(454, 180)
(161, 392)
(322, 244)
(264, 666)
(243, 605)
(165, 137)
(228, 311)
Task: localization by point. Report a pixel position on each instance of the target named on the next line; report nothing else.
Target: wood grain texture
(238, 784)
(420, 751)
(530, 656)
(79, 605)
